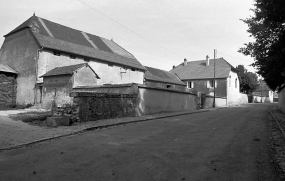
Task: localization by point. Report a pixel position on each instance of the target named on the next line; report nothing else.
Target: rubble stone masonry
(8, 89)
(95, 106)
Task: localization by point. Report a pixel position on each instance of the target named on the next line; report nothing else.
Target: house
(263, 94)
(38, 45)
(162, 79)
(199, 77)
(8, 86)
(59, 82)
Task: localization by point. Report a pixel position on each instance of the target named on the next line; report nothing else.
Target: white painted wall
(48, 61)
(108, 73)
(113, 74)
(233, 92)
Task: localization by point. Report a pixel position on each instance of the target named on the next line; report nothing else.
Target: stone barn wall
(8, 89)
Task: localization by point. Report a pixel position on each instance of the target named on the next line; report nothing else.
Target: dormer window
(56, 53)
(72, 56)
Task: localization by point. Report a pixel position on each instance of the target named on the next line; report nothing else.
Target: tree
(248, 80)
(267, 27)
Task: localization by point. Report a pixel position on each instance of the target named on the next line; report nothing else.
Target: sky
(159, 33)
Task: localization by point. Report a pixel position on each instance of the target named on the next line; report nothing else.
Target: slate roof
(199, 70)
(66, 70)
(158, 75)
(6, 68)
(58, 37)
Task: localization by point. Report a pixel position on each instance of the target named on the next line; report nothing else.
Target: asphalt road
(227, 144)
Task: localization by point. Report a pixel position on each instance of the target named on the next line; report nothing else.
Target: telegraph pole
(214, 102)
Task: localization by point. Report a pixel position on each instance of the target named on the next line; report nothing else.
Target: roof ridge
(71, 28)
(22, 26)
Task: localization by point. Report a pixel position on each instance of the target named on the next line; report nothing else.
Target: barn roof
(58, 37)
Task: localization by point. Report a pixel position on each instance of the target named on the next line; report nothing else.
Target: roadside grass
(13, 107)
(33, 118)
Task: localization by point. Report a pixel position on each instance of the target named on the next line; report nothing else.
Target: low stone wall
(281, 100)
(152, 100)
(114, 101)
(208, 101)
(243, 98)
(96, 106)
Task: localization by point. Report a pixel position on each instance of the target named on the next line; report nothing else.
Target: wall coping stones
(165, 89)
(102, 95)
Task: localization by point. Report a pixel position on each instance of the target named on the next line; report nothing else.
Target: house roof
(58, 37)
(66, 70)
(6, 68)
(158, 75)
(199, 70)
(263, 87)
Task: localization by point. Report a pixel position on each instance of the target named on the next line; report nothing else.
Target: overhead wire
(164, 11)
(126, 27)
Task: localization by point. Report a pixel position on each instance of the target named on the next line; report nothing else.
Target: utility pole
(214, 102)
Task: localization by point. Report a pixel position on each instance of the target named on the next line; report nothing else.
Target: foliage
(248, 80)
(267, 27)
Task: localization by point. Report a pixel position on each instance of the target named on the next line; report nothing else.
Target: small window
(168, 86)
(72, 56)
(210, 84)
(190, 84)
(56, 53)
(86, 59)
(236, 83)
(110, 65)
(133, 69)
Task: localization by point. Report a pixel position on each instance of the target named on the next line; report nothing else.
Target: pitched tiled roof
(199, 70)
(58, 37)
(6, 68)
(262, 87)
(158, 75)
(66, 70)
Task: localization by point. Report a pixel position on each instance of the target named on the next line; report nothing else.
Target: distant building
(38, 45)
(162, 79)
(199, 77)
(263, 94)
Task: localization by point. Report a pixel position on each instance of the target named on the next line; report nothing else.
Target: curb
(106, 126)
(277, 122)
(278, 155)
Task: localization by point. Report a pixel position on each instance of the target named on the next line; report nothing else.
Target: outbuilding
(59, 82)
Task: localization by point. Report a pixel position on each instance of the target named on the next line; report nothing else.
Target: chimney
(185, 61)
(207, 60)
(173, 67)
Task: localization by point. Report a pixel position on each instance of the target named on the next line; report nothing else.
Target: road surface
(227, 144)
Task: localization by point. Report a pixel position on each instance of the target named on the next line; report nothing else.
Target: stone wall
(281, 99)
(8, 88)
(152, 100)
(96, 106)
